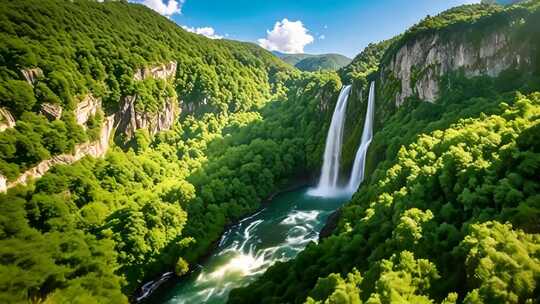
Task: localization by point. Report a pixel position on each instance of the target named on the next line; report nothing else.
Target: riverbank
(144, 293)
(277, 233)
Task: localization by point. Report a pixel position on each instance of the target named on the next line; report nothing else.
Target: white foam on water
(297, 217)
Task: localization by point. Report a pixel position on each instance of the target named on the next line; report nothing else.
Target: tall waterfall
(357, 174)
(328, 182)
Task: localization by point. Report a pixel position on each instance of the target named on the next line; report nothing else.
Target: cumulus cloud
(287, 37)
(164, 7)
(205, 31)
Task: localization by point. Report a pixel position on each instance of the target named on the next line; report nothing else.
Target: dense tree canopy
(86, 46)
(449, 213)
(444, 199)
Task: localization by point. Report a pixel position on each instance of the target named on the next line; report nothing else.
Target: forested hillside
(70, 50)
(449, 211)
(95, 230)
(199, 132)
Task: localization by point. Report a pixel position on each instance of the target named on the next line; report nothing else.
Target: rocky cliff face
(88, 107)
(125, 121)
(6, 119)
(162, 71)
(51, 111)
(31, 75)
(130, 120)
(97, 148)
(418, 65)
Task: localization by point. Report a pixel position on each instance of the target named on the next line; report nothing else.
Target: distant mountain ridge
(311, 62)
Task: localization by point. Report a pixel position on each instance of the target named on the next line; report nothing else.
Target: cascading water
(357, 174)
(328, 182)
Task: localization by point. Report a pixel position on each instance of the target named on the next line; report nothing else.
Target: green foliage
(332, 62)
(181, 267)
(17, 95)
(313, 63)
(366, 62)
(442, 199)
(87, 47)
(160, 206)
(501, 263)
(335, 289)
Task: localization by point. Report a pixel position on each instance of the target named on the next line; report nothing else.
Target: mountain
(311, 63)
(35, 79)
(119, 130)
(442, 203)
(128, 147)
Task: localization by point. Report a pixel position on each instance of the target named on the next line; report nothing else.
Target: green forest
(448, 212)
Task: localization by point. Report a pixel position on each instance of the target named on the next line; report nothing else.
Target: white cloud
(164, 7)
(205, 31)
(287, 36)
(322, 37)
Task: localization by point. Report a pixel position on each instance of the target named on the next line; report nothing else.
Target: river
(277, 233)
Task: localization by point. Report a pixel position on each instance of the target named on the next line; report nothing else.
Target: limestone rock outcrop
(97, 148)
(418, 65)
(6, 119)
(125, 121)
(32, 75)
(52, 111)
(88, 107)
(130, 120)
(162, 71)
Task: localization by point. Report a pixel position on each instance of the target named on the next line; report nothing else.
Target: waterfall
(357, 174)
(328, 182)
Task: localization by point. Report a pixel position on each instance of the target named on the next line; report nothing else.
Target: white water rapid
(328, 182)
(357, 173)
(246, 250)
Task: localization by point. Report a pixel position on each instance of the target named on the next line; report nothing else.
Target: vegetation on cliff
(441, 221)
(88, 47)
(132, 215)
(449, 213)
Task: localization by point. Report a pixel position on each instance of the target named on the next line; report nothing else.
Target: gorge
(141, 161)
(276, 233)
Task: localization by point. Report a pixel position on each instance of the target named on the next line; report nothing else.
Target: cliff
(130, 119)
(88, 107)
(467, 41)
(32, 75)
(473, 40)
(124, 122)
(6, 119)
(160, 71)
(418, 65)
(97, 148)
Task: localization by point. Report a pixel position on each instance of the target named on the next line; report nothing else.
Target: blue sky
(325, 26)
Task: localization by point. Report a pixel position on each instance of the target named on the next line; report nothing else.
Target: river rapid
(277, 233)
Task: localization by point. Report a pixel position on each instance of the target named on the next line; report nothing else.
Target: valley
(143, 161)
